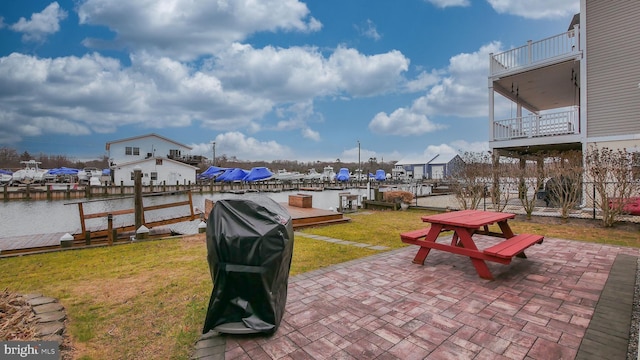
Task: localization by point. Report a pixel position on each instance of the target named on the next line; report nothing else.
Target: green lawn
(148, 299)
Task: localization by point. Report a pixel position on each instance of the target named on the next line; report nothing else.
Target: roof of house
(144, 136)
(438, 159)
(154, 159)
(413, 161)
(443, 159)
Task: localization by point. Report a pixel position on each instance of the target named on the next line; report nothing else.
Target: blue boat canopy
(63, 171)
(258, 173)
(6, 172)
(380, 175)
(343, 175)
(211, 172)
(235, 174)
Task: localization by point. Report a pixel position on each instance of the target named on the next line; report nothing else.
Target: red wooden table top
(468, 218)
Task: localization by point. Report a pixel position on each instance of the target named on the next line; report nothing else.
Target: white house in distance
(161, 160)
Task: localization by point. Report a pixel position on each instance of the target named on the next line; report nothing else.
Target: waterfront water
(19, 218)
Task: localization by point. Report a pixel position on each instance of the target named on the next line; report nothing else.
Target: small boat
(328, 174)
(258, 174)
(85, 175)
(5, 176)
(343, 175)
(31, 173)
(284, 175)
(313, 175)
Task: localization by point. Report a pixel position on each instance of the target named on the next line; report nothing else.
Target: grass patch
(149, 299)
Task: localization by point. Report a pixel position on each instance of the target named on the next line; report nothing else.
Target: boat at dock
(31, 173)
(284, 175)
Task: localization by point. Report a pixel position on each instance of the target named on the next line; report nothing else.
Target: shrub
(398, 196)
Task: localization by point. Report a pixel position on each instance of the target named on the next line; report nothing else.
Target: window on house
(128, 150)
(133, 176)
(136, 151)
(158, 161)
(154, 175)
(174, 153)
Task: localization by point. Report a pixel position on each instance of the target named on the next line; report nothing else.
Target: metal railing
(536, 52)
(552, 124)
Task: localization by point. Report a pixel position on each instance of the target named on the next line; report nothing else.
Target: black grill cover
(249, 249)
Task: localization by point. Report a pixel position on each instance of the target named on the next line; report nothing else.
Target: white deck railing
(536, 52)
(560, 123)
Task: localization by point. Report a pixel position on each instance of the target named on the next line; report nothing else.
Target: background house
(443, 166)
(148, 146)
(438, 167)
(155, 170)
(161, 160)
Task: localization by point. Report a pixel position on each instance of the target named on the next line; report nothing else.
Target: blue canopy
(6, 172)
(235, 174)
(343, 175)
(106, 171)
(211, 172)
(258, 173)
(63, 171)
(380, 175)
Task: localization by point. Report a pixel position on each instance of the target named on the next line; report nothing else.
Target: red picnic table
(464, 225)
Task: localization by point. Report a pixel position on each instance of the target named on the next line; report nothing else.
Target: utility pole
(214, 152)
(359, 165)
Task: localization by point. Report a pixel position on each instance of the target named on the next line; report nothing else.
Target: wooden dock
(39, 243)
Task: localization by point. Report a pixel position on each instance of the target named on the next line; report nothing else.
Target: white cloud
(362, 75)
(448, 3)
(423, 81)
(95, 93)
(41, 24)
(460, 91)
(537, 9)
(300, 73)
(351, 155)
(403, 122)
(242, 147)
(369, 30)
(463, 146)
(184, 29)
(463, 90)
(311, 134)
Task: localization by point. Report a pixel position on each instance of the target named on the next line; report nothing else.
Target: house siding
(156, 146)
(169, 172)
(613, 69)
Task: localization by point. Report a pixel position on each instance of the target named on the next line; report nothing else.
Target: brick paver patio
(386, 307)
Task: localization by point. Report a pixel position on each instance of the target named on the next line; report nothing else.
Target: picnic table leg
(432, 235)
(506, 229)
(481, 267)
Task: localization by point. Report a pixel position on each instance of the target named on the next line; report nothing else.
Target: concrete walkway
(386, 307)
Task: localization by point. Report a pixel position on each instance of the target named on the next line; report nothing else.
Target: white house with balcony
(573, 90)
(161, 160)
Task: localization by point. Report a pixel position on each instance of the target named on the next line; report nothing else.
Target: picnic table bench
(464, 225)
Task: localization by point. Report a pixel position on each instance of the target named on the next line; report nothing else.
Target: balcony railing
(560, 123)
(537, 52)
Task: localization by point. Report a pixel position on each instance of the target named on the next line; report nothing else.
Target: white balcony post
(491, 110)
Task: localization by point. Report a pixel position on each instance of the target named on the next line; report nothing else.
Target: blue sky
(264, 79)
